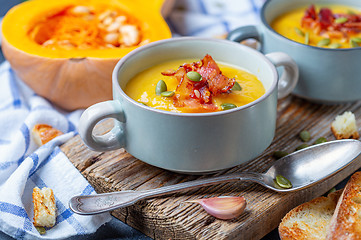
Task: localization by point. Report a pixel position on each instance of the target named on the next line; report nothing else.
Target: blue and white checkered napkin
(23, 165)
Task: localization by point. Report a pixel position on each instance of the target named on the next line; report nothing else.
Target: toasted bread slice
(43, 133)
(346, 221)
(309, 220)
(344, 126)
(44, 207)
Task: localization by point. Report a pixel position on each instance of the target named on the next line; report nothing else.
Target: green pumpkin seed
(167, 94)
(324, 42)
(331, 191)
(279, 154)
(143, 103)
(283, 182)
(194, 76)
(302, 146)
(236, 87)
(341, 20)
(353, 43)
(320, 140)
(307, 38)
(226, 106)
(41, 230)
(305, 136)
(351, 12)
(356, 39)
(299, 32)
(334, 45)
(160, 87)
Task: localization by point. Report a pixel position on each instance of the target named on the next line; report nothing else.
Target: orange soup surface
(328, 26)
(193, 86)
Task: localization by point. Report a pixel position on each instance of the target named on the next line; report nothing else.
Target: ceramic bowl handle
(245, 32)
(114, 139)
(289, 78)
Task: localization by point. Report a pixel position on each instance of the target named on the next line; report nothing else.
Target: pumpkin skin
(75, 78)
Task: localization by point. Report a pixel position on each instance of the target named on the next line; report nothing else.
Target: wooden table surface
(170, 217)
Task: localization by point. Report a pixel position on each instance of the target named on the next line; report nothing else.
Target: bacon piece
(353, 24)
(168, 72)
(311, 12)
(326, 18)
(217, 82)
(324, 23)
(335, 34)
(184, 89)
(197, 96)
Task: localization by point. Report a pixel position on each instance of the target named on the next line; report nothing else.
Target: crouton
(344, 126)
(44, 207)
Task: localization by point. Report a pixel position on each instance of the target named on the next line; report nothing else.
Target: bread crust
(346, 220)
(302, 223)
(44, 207)
(43, 133)
(340, 135)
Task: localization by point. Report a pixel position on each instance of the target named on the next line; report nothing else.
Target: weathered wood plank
(171, 217)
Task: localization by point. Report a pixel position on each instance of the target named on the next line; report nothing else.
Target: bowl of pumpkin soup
(192, 105)
(322, 36)
(194, 86)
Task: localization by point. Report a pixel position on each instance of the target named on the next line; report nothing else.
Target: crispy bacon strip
(217, 83)
(168, 72)
(325, 21)
(197, 96)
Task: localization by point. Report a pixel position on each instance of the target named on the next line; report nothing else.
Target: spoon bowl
(303, 169)
(311, 165)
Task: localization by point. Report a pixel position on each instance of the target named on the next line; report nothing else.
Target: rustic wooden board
(172, 218)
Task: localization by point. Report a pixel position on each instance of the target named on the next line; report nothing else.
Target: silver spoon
(303, 169)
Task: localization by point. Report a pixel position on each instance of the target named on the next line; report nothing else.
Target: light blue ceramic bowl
(191, 142)
(326, 75)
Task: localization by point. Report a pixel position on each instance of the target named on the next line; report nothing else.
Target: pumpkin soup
(331, 26)
(191, 86)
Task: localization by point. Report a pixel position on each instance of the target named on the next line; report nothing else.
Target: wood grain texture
(171, 217)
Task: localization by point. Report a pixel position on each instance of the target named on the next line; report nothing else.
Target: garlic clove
(223, 207)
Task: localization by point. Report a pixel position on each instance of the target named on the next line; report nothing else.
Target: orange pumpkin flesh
(77, 76)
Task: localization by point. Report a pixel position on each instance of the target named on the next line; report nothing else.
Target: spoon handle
(94, 204)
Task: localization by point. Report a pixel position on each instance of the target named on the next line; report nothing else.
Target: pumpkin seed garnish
(353, 43)
(356, 39)
(167, 94)
(341, 20)
(302, 146)
(279, 154)
(160, 87)
(351, 12)
(305, 136)
(194, 76)
(324, 42)
(226, 106)
(331, 191)
(41, 230)
(236, 87)
(143, 103)
(334, 45)
(307, 38)
(320, 140)
(299, 32)
(283, 182)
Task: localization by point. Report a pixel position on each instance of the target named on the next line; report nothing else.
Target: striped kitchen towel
(24, 165)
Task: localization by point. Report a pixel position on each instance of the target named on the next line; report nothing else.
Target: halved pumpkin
(76, 73)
